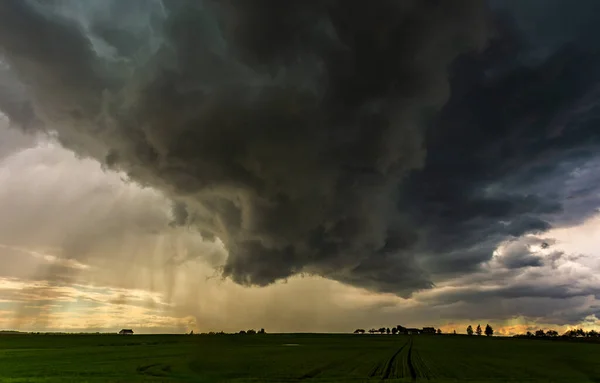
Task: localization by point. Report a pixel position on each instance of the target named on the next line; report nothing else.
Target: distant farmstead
(414, 331)
(126, 332)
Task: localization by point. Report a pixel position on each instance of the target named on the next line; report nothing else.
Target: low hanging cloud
(386, 144)
(13, 140)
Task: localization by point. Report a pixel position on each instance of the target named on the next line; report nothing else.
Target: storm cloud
(382, 144)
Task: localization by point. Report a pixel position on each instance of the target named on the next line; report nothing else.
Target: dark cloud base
(382, 144)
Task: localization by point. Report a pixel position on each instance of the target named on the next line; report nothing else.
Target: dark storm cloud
(520, 257)
(285, 127)
(305, 134)
(529, 290)
(12, 140)
(14, 102)
(511, 153)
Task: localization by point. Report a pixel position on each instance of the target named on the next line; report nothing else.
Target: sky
(314, 166)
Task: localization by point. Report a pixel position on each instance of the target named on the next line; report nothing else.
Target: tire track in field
(422, 368)
(392, 361)
(411, 368)
(375, 370)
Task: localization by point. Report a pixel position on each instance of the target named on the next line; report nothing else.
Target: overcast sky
(314, 166)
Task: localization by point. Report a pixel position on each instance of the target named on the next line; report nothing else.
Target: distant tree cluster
(399, 330)
(242, 332)
(575, 333)
(252, 332)
(489, 331)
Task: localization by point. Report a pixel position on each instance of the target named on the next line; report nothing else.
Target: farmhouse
(126, 332)
(415, 331)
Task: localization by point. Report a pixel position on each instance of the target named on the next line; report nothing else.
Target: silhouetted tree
(529, 333)
(580, 332)
(262, 331)
(243, 332)
(478, 331)
(439, 330)
(570, 333)
(359, 331)
(469, 330)
(251, 332)
(372, 331)
(552, 333)
(382, 330)
(540, 333)
(592, 334)
(394, 330)
(489, 331)
(454, 332)
(388, 331)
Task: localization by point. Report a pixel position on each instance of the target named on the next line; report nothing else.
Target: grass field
(293, 358)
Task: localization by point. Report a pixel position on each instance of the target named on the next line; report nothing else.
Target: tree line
(398, 330)
(575, 333)
(489, 331)
(242, 332)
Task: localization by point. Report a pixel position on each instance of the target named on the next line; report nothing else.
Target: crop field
(294, 358)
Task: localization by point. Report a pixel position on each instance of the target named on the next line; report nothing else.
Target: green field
(293, 358)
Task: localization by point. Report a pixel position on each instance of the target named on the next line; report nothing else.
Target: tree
(388, 331)
(251, 332)
(439, 331)
(529, 333)
(469, 330)
(372, 331)
(242, 332)
(359, 331)
(262, 331)
(394, 330)
(580, 332)
(552, 333)
(571, 333)
(592, 334)
(382, 330)
(489, 331)
(454, 332)
(478, 331)
(540, 333)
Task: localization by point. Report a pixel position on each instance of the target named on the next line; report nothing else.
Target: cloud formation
(134, 241)
(388, 145)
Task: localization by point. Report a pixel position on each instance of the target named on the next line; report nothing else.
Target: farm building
(126, 332)
(409, 331)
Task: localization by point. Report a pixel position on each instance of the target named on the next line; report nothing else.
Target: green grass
(315, 358)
